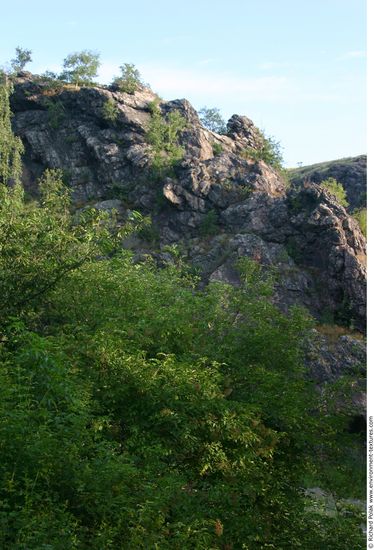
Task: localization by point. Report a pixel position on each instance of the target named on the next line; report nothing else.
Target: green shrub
(360, 214)
(217, 148)
(336, 189)
(110, 110)
(163, 136)
(209, 225)
(11, 147)
(56, 112)
(268, 150)
(130, 80)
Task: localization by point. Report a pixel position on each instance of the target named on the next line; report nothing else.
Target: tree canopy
(129, 80)
(81, 68)
(212, 119)
(22, 58)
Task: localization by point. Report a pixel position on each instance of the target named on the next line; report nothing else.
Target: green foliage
(80, 68)
(56, 112)
(11, 147)
(110, 111)
(163, 136)
(209, 225)
(212, 119)
(23, 57)
(130, 79)
(43, 242)
(360, 214)
(336, 189)
(141, 411)
(295, 202)
(268, 150)
(217, 148)
(52, 82)
(241, 189)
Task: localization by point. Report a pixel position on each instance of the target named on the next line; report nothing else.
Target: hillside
(350, 172)
(182, 353)
(214, 202)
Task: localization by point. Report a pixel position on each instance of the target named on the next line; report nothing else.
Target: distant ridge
(349, 171)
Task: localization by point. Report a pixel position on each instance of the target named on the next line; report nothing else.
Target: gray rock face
(350, 172)
(218, 206)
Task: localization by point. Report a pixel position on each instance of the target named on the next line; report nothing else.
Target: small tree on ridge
(81, 68)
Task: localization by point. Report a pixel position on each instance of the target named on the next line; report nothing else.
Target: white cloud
(207, 61)
(206, 86)
(273, 65)
(179, 82)
(354, 54)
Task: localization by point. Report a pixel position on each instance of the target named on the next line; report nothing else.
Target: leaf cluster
(22, 58)
(336, 189)
(268, 150)
(110, 111)
(80, 68)
(360, 214)
(163, 137)
(129, 80)
(212, 119)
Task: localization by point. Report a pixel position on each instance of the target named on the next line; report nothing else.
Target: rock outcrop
(350, 172)
(218, 204)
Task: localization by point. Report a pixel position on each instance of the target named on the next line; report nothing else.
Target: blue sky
(295, 67)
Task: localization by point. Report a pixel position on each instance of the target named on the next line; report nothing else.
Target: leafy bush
(154, 413)
(11, 147)
(212, 119)
(209, 225)
(56, 112)
(43, 243)
(110, 110)
(130, 79)
(163, 136)
(336, 189)
(268, 150)
(360, 214)
(217, 148)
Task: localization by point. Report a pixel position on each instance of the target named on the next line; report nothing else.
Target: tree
(81, 68)
(336, 189)
(11, 147)
(130, 80)
(268, 149)
(212, 119)
(42, 242)
(20, 61)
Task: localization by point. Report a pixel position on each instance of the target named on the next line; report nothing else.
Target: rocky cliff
(350, 172)
(218, 205)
